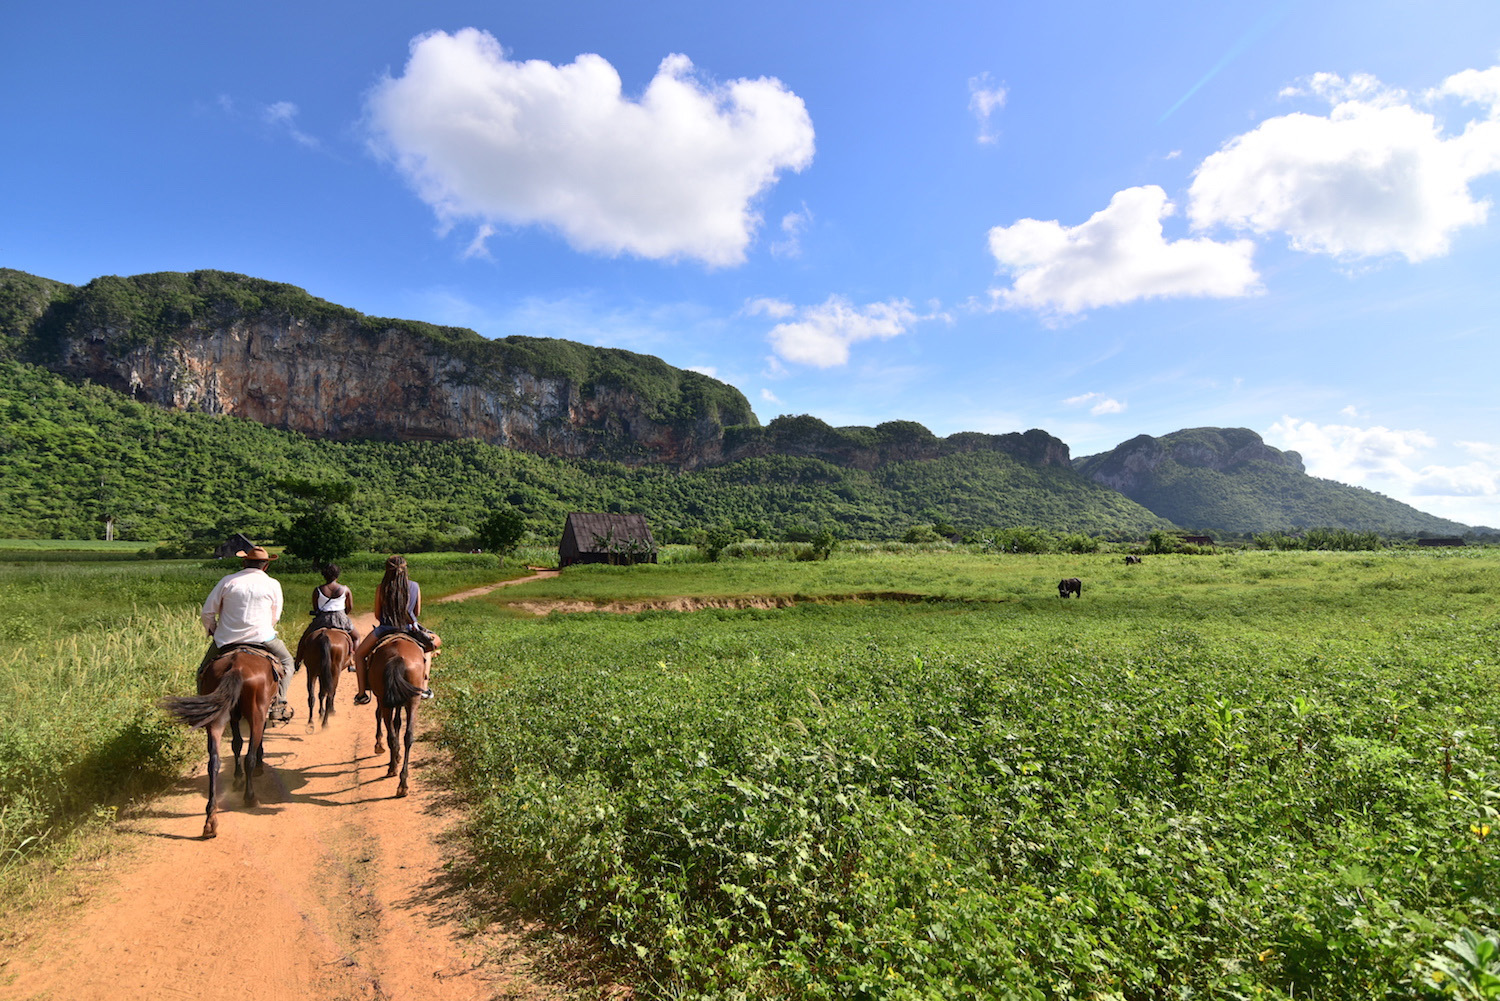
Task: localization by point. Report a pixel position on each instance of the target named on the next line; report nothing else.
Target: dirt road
(329, 889)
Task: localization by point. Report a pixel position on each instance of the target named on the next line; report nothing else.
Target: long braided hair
(394, 593)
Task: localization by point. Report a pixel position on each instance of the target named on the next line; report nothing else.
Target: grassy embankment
(1254, 775)
(86, 649)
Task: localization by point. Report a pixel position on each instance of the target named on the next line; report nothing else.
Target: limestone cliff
(273, 354)
(1228, 480)
(894, 441)
(228, 344)
(1131, 466)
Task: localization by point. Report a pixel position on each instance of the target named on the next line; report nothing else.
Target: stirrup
(362, 698)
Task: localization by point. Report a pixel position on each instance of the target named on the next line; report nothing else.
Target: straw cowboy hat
(255, 553)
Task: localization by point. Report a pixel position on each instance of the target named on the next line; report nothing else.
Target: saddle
(418, 638)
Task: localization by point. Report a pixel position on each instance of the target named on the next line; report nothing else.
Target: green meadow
(1248, 775)
(1259, 774)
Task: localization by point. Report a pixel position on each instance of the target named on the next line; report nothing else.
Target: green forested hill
(71, 454)
(1229, 480)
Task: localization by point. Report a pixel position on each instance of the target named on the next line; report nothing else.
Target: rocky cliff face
(895, 441)
(334, 373)
(1131, 466)
(271, 353)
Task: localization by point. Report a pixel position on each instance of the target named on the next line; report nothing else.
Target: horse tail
(325, 661)
(201, 710)
(398, 691)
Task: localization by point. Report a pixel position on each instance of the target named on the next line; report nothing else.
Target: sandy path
(476, 592)
(329, 889)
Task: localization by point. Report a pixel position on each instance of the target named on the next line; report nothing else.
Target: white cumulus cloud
(670, 175)
(1373, 177)
(822, 335)
(1118, 255)
(708, 370)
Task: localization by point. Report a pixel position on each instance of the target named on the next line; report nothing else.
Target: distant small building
(606, 538)
(236, 543)
(1198, 540)
(1440, 542)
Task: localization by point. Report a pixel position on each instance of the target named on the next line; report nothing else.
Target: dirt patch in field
(537, 574)
(547, 606)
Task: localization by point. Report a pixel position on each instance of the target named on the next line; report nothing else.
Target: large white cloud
(673, 174)
(821, 335)
(1375, 176)
(1117, 256)
(1383, 456)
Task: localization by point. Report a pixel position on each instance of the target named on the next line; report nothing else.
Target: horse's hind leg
(411, 725)
(312, 683)
(393, 734)
(379, 732)
(257, 753)
(238, 742)
(211, 820)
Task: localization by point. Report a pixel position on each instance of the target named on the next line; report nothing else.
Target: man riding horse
(243, 608)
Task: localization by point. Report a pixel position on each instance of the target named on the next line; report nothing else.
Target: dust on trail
(328, 889)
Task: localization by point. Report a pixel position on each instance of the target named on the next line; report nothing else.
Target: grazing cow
(1070, 585)
(1132, 559)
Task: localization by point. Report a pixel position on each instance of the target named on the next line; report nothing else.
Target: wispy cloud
(1099, 403)
(985, 98)
(283, 115)
(792, 225)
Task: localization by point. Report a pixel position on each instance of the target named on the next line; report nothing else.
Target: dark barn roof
(236, 543)
(589, 538)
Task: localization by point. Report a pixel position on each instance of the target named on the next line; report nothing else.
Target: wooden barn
(620, 539)
(1198, 540)
(236, 543)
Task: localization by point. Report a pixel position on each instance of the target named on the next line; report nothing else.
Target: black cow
(1070, 585)
(1132, 559)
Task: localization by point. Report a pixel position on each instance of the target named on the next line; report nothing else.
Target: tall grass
(87, 648)
(80, 729)
(1265, 775)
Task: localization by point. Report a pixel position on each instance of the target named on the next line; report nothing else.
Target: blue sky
(1094, 218)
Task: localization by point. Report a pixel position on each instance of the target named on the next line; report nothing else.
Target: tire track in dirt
(330, 888)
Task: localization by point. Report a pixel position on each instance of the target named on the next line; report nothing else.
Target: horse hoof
(209, 832)
(401, 793)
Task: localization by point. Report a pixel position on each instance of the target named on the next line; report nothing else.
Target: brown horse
(238, 685)
(395, 669)
(326, 653)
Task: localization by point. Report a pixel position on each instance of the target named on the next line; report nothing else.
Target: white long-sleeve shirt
(243, 607)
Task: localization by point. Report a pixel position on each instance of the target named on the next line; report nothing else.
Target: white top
(336, 603)
(243, 608)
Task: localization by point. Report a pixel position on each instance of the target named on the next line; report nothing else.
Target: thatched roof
(590, 531)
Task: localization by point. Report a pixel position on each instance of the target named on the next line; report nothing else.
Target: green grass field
(1246, 775)
(86, 649)
(1251, 775)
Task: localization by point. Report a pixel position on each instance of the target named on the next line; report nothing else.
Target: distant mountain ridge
(1230, 480)
(269, 352)
(223, 343)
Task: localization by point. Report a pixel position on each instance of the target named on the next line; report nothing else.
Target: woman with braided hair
(398, 603)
